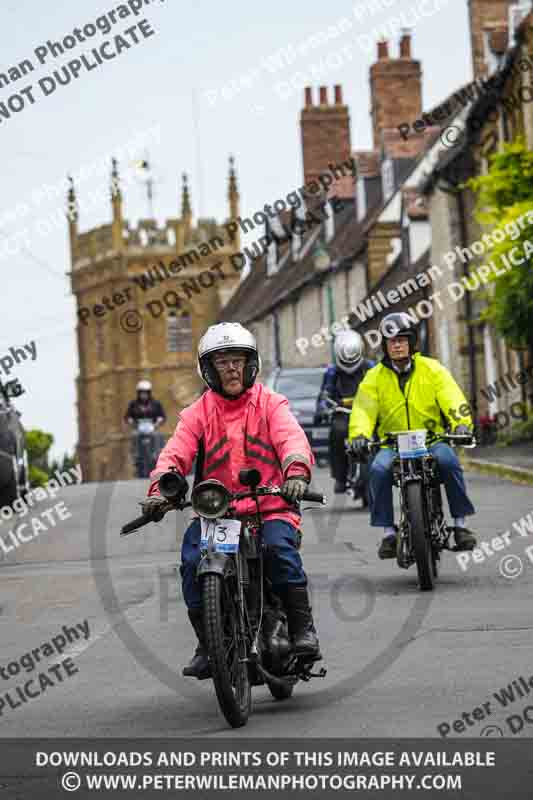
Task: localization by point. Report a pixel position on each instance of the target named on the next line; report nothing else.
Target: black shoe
(199, 666)
(464, 539)
(340, 487)
(301, 627)
(387, 548)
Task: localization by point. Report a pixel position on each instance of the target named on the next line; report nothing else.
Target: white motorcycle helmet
(349, 351)
(227, 336)
(144, 386)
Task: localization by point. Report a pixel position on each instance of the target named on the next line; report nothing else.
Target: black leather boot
(198, 666)
(301, 627)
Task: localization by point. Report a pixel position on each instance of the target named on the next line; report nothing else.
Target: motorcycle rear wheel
(230, 674)
(419, 538)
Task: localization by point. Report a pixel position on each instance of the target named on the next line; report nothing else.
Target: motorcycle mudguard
(214, 564)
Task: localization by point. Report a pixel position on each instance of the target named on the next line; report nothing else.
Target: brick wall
(485, 15)
(395, 89)
(325, 132)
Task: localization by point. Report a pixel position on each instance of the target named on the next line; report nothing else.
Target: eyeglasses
(224, 364)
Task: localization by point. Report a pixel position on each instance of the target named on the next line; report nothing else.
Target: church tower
(144, 297)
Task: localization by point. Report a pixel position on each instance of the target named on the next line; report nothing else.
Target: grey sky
(198, 48)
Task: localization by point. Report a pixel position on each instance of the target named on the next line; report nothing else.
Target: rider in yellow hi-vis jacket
(408, 391)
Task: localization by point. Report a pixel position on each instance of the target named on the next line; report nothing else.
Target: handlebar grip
(315, 497)
(134, 525)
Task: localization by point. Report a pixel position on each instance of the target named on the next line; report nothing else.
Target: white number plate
(412, 444)
(225, 533)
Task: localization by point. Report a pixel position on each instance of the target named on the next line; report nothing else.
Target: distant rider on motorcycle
(144, 407)
(237, 424)
(408, 391)
(340, 384)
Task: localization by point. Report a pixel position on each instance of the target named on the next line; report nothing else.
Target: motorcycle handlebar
(464, 440)
(315, 497)
(134, 525)
(139, 522)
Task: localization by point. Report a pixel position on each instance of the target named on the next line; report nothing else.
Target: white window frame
(387, 178)
(272, 259)
(329, 224)
(361, 199)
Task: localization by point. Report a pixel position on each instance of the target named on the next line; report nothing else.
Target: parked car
(14, 480)
(301, 387)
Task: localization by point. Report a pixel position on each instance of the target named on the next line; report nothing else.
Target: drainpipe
(468, 305)
(277, 342)
(521, 359)
(331, 310)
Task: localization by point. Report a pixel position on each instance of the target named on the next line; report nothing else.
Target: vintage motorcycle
(145, 447)
(357, 476)
(245, 625)
(422, 532)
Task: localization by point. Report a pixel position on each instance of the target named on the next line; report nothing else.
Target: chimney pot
(383, 49)
(323, 95)
(405, 44)
(308, 96)
(338, 95)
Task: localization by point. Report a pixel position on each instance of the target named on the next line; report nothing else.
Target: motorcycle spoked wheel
(419, 538)
(230, 674)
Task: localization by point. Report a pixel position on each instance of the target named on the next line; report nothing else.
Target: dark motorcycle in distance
(245, 625)
(422, 533)
(147, 446)
(357, 476)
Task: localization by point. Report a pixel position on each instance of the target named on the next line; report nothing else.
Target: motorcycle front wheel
(419, 536)
(224, 646)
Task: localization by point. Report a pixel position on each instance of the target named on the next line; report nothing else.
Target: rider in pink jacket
(239, 424)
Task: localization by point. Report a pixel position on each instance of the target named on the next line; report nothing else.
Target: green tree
(505, 203)
(38, 444)
(65, 465)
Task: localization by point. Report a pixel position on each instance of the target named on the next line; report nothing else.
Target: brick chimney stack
(395, 88)
(325, 132)
(486, 17)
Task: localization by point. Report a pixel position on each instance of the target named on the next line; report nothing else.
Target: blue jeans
(451, 474)
(283, 563)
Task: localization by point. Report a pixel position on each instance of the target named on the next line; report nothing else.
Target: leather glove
(359, 448)
(463, 430)
(154, 508)
(294, 489)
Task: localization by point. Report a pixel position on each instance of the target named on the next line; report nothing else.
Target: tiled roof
(258, 292)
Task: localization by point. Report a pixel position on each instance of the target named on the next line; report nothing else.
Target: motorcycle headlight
(210, 499)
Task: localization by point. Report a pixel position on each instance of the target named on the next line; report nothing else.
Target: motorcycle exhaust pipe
(280, 682)
(172, 486)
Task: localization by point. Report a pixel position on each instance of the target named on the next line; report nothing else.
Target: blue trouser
(283, 563)
(450, 472)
